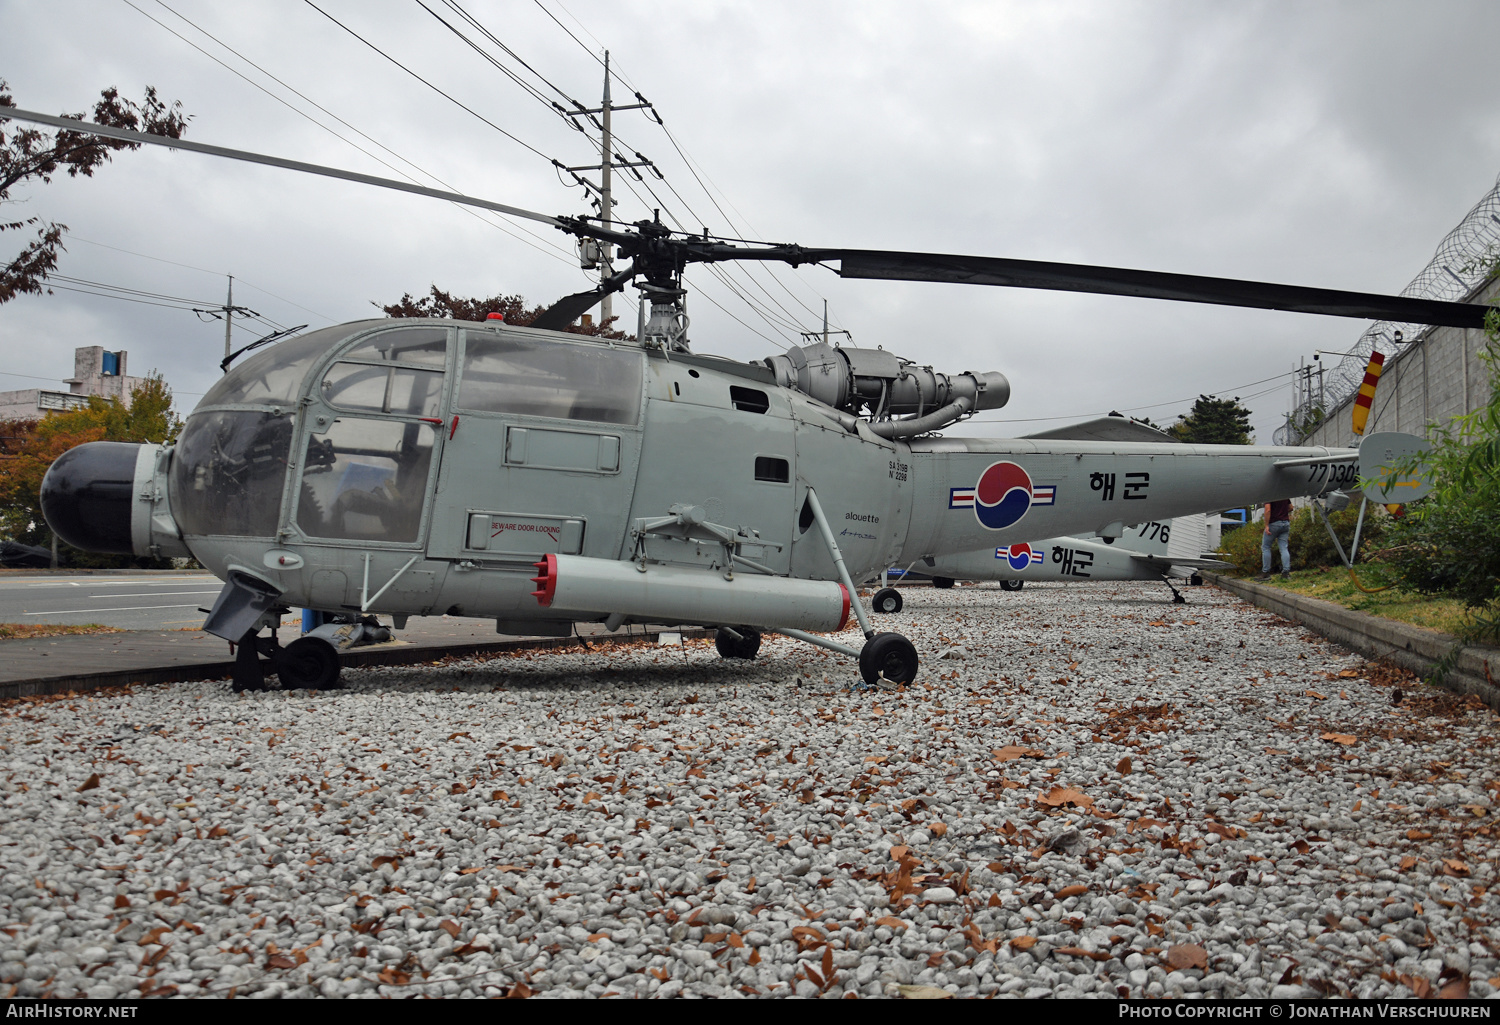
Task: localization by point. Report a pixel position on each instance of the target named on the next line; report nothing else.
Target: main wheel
(308, 663)
(943, 582)
(889, 655)
(1012, 585)
(887, 600)
(746, 646)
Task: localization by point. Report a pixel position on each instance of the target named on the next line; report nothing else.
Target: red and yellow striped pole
(1367, 392)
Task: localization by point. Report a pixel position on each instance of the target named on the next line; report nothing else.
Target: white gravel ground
(1095, 793)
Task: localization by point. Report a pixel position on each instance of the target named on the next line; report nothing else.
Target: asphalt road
(144, 601)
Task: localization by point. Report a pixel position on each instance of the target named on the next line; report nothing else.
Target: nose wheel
(887, 601)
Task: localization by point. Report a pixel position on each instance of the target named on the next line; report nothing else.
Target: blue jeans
(1281, 530)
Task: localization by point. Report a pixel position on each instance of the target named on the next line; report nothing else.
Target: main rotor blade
(567, 309)
(127, 135)
(1073, 277)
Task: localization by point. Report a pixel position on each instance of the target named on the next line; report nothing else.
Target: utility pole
(813, 336)
(228, 311)
(601, 256)
(229, 317)
(606, 251)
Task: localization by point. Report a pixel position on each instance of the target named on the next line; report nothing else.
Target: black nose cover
(87, 496)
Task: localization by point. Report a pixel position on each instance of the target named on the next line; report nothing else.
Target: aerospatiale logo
(1002, 496)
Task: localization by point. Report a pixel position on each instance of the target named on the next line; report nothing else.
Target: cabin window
(773, 470)
(749, 400)
(513, 374)
(365, 480)
(228, 473)
(425, 346)
(384, 389)
(273, 376)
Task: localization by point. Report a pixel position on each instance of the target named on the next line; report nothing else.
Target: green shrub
(1241, 546)
(1311, 546)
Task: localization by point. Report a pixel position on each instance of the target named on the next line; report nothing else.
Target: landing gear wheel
(1012, 585)
(308, 663)
(746, 646)
(888, 655)
(942, 582)
(887, 600)
(1196, 580)
(248, 673)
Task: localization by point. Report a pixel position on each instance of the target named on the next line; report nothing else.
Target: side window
(425, 346)
(749, 400)
(773, 470)
(365, 480)
(384, 389)
(511, 374)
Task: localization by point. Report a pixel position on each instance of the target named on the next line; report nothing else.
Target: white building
(95, 372)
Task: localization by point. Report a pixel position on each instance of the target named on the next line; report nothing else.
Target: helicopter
(1147, 551)
(540, 478)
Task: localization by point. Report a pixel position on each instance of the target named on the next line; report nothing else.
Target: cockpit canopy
(357, 412)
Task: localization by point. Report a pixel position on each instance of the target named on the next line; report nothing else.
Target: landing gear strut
(308, 663)
(1177, 598)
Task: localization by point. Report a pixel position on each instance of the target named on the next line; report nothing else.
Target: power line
(511, 230)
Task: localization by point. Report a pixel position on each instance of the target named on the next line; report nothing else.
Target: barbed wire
(1463, 261)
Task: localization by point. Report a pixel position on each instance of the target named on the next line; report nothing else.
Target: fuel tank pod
(671, 594)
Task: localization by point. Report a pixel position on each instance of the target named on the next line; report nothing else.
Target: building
(95, 372)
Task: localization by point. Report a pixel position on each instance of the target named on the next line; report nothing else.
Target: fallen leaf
(450, 927)
(1314, 695)
(1023, 942)
(1455, 867)
(924, 993)
(1417, 834)
(1012, 751)
(1408, 863)
(1123, 766)
(1350, 674)
(1455, 989)
(1182, 956)
(280, 961)
(89, 784)
(937, 828)
(1071, 891)
(894, 923)
(1340, 738)
(1059, 796)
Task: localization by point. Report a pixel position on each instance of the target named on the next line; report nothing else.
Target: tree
(32, 153)
(30, 446)
(513, 308)
(1214, 421)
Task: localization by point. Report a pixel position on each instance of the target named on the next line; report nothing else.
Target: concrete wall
(1432, 379)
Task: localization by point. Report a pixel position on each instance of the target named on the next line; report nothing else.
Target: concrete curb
(395, 655)
(1410, 647)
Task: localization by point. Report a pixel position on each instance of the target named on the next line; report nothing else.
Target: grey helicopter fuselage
(426, 467)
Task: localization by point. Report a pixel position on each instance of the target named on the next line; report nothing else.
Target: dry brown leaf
(1071, 891)
(1011, 752)
(937, 828)
(1182, 956)
(894, 923)
(1123, 766)
(281, 961)
(89, 784)
(1455, 867)
(1340, 738)
(450, 927)
(1417, 834)
(1059, 796)
(1314, 695)
(1408, 863)
(1350, 674)
(1023, 942)
(1455, 989)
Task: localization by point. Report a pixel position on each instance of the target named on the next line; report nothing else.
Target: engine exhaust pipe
(673, 594)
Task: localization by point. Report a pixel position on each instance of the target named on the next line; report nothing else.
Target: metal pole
(229, 317)
(606, 211)
(1359, 525)
(838, 561)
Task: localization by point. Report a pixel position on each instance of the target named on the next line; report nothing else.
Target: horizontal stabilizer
(1161, 563)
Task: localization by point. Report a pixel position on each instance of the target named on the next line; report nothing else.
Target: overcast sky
(1330, 144)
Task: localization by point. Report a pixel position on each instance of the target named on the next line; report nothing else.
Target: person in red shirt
(1279, 530)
